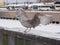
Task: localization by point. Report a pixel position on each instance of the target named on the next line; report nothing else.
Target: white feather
(21, 15)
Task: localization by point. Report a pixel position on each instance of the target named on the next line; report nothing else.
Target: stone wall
(56, 16)
(12, 14)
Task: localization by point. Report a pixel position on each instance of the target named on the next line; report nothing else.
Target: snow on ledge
(50, 31)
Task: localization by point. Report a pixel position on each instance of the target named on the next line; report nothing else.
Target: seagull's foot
(25, 31)
(29, 30)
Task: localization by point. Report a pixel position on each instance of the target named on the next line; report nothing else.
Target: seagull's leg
(26, 30)
(29, 29)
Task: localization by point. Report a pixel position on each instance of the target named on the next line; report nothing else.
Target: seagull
(25, 21)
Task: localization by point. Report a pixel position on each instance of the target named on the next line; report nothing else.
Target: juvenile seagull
(25, 21)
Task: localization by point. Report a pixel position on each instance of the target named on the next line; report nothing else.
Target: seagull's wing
(21, 14)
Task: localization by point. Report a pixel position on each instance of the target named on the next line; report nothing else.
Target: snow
(17, 5)
(36, 4)
(49, 31)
